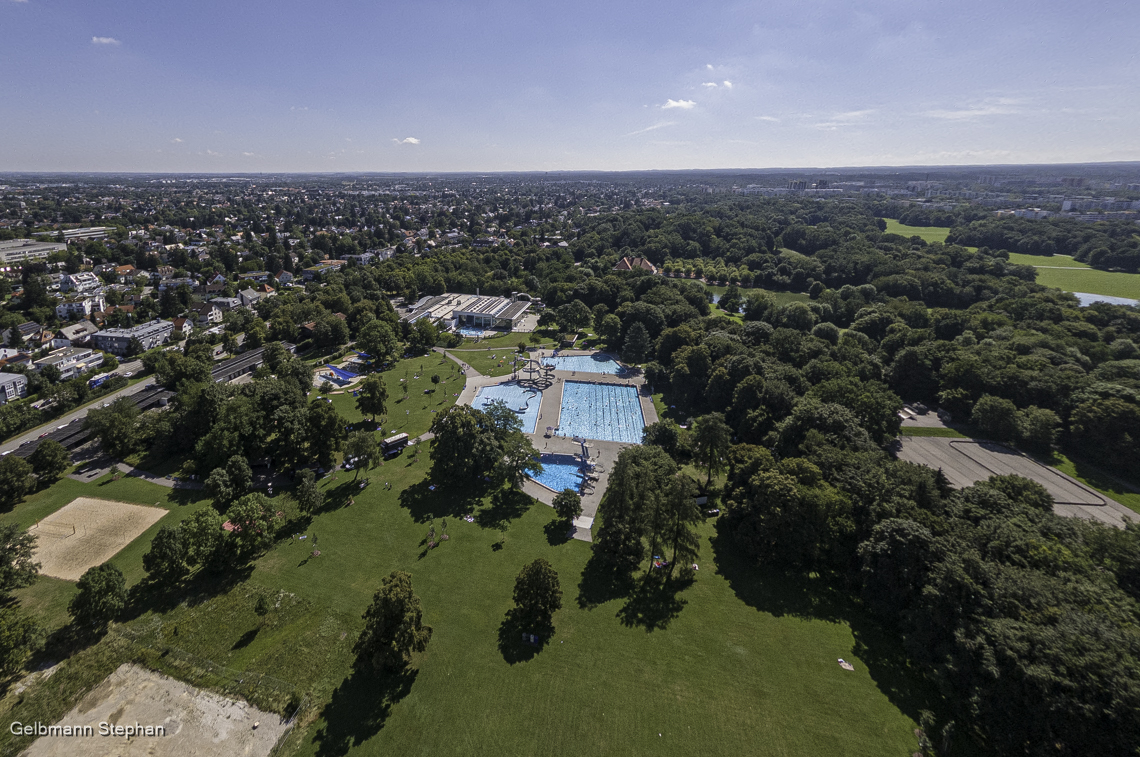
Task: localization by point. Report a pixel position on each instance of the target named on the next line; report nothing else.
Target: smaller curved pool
(559, 472)
(523, 401)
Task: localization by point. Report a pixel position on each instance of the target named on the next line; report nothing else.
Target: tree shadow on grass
(507, 504)
(246, 639)
(601, 583)
(779, 593)
(359, 709)
(655, 602)
(445, 502)
(826, 597)
(558, 531)
(511, 631)
(162, 597)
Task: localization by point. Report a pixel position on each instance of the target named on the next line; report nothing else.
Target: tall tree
(101, 597)
(252, 518)
(309, 496)
(393, 626)
(372, 397)
(378, 341)
(116, 426)
(465, 444)
(568, 505)
(537, 593)
(17, 566)
(637, 344)
(639, 480)
(49, 460)
(166, 560)
(361, 447)
(711, 440)
(15, 479)
(326, 432)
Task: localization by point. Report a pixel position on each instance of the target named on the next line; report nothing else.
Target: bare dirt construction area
(966, 461)
(88, 532)
(197, 723)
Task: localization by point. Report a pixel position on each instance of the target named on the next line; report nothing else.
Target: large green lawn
(927, 233)
(1070, 275)
(490, 361)
(741, 661)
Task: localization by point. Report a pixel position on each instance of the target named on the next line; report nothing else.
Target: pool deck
(604, 453)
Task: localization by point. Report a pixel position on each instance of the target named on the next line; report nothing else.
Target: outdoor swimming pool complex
(525, 402)
(559, 472)
(470, 330)
(609, 412)
(584, 363)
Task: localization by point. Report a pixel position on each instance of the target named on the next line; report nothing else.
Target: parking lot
(966, 461)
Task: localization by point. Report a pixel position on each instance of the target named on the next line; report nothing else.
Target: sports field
(88, 532)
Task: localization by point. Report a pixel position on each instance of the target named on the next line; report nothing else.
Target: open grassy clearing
(490, 361)
(781, 298)
(1051, 261)
(927, 233)
(413, 415)
(1091, 280)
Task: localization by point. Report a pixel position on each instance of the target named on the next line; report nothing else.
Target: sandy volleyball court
(88, 532)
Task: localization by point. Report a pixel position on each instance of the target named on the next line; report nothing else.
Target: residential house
(13, 386)
(258, 276)
(635, 264)
(149, 335)
(183, 327)
(71, 361)
(78, 333)
(226, 303)
(206, 314)
(126, 273)
(79, 307)
(250, 297)
(283, 277)
(9, 356)
(84, 282)
(31, 334)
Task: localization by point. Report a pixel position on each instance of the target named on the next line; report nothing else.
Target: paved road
(134, 367)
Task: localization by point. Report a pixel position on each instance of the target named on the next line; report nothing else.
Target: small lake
(1088, 299)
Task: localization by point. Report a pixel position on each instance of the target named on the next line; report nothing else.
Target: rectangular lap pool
(609, 412)
(523, 401)
(559, 472)
(597, 363)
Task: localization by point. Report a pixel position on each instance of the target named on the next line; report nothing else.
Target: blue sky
(348, 85)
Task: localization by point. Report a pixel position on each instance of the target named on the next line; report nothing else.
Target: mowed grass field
(927, 233)
(741, 661)
(1069, 275)
(414, 414)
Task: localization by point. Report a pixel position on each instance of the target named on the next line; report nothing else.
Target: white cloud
(727, 84)
(248, 154)
(848, 118)
(211, 152)
(407, 141)
(709, 66)
(176, 141)
(709, 84)
(682, 104)
(654, 127)
(105, 41)
(770, 119)
(995, 106)
(19, 1)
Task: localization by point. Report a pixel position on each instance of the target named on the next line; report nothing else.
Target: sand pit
(88, 532)
(197, 723)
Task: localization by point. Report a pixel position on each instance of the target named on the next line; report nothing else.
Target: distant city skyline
(510, 86)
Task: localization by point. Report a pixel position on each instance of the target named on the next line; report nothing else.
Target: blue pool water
(559, 472)
(608, 412)
(525, 402)
(584, 363)
(469, 330)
